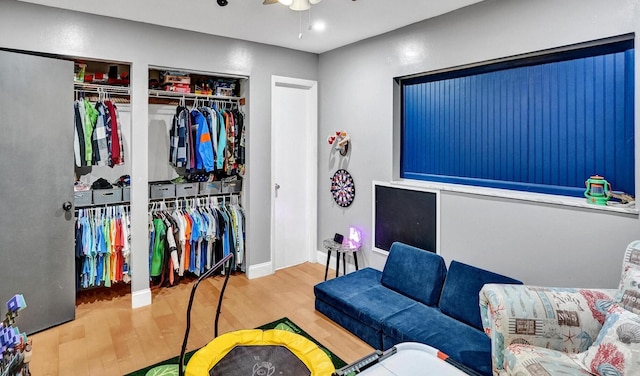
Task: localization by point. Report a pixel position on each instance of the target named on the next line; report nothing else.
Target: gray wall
(538, 243)
(48, 30)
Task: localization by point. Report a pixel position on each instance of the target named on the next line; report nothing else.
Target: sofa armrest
(563, 319)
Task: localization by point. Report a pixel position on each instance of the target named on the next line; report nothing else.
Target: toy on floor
(15, 347)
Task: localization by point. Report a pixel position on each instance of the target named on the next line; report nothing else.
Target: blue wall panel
(542, 128)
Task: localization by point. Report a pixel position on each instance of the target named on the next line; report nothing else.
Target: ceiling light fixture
(299, 5)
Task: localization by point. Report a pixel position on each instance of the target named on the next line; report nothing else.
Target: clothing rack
(197, 201)
(97, 92)
(124, 204)
(97, 88)
(183, 97)
(189, 234)
(116, 205)
(102, 246)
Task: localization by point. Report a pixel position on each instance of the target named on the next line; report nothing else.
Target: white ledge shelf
(517, 195)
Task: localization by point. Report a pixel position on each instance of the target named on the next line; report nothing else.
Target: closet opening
(102, 154)
(197, 161)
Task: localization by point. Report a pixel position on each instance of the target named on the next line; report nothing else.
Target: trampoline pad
(265, 360)
(262, 353)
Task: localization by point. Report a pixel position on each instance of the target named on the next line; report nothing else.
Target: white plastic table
(413, 359)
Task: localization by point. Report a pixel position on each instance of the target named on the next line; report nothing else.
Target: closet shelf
(155, 96)
(118, 94)
(98, 88)
(161, 97)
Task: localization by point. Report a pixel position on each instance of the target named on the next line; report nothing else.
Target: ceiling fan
(294, 4)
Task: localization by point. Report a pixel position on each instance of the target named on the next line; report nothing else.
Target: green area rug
(282, 324)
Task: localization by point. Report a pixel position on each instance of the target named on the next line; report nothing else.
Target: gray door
(36, 178)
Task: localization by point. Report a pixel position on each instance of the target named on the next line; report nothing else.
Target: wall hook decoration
(341, 139)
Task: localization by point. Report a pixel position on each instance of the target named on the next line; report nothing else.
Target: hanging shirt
(204, 149)
(179, 142)
(117, 146)
(222, 142)
(90, 118)
(158, 248)
(126, 249)
(229, 155)
(212, 118)
(240, 140)
(100, 138)
(78, 136)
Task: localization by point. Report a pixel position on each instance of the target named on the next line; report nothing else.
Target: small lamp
(355, 236)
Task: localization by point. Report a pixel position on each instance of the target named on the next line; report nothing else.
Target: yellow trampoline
(260, 353)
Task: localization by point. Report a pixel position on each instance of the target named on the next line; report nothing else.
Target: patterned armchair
(534, 329)
(542, 331)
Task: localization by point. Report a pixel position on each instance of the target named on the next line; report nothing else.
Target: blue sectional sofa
(414, 299)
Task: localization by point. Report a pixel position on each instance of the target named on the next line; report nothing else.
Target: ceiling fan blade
(267, 2)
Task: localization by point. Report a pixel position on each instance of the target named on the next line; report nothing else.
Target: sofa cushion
(361, 296)
(628, 295)
(414, 272)
(348, 285)
(428, 325)
(616, 351)
(370, 335)
(460, 297)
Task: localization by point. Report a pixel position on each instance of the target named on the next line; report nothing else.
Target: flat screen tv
(404, 214)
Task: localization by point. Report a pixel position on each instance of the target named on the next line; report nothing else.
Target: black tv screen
(404, 215)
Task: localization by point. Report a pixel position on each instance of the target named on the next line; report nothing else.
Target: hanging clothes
(97, 134)
(204, 154)
(192, 237)
(240, 140)
(102, 246)
(116, 146)
(178, 140)
(208, 139)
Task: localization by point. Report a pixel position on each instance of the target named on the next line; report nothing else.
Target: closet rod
(172, 199)
(97, 88)
(190, 96)
(172, 202)
(102, 206)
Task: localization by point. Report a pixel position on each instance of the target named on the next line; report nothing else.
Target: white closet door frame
(311, 163)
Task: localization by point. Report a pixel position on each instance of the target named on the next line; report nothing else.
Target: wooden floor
(109, 338)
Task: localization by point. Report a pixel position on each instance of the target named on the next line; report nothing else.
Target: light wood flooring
(109, 338)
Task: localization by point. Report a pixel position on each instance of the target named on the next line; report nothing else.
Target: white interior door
(294, 115)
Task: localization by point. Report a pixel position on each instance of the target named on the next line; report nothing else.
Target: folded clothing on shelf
(122, 181)
(101, 183)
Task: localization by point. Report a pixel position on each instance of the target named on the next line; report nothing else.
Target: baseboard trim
(140, 298)
(259, 270)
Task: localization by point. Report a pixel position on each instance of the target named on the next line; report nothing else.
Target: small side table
(340, 249)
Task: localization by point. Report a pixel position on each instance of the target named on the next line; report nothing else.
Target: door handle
(277, 186)
(67, 206)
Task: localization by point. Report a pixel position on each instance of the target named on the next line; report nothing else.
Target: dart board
(342, 188)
